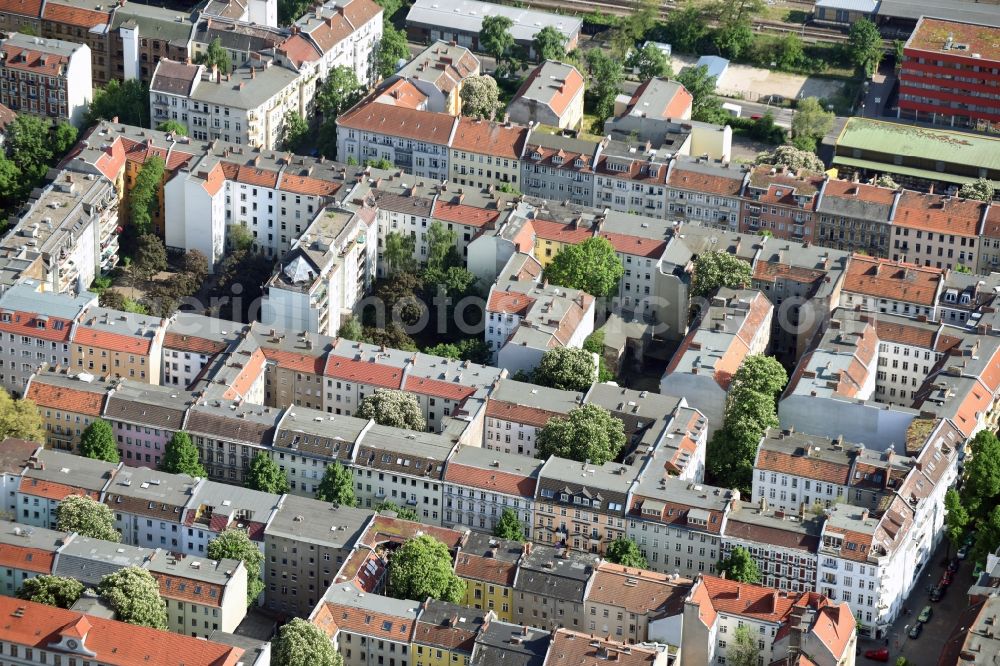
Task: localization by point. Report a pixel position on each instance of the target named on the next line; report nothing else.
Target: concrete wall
(875, 425)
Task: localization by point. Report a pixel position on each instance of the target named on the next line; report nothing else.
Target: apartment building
(635, 605)
(559, 168)
(733, 325)
(468, 212)
(202, 596)
(965, 97)
(67, 233)
(445, 633)
(229, 434)
(191, 342)
(511, 643)
(307, 441)
(15, 454)
(438, 73)
(140, 36)
(782, 202)
(240, 39)
(337, 34)
(144, 418)
(489, 566)
(50, 477)
(216, 507)
(552, 94)
(965, 296)
(67, 404)
(149, 506)
(485, 153)
(937, 230)
(27, 553)
(550, 587)
(989, 243)
(517, 411)
(480, 484)
(50, 78)
(306, 542)
(892, 287)
(50, 633)
(705, 192)
(574, 647)
(84, 23)
(118, 344)
(855, 217)
(630, 178)
(368, 628)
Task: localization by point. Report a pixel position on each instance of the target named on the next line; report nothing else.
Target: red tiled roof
(509, 302)
(117, 342)
(472, 216)
(248, 375)
(571, 648)
(33, 60)
(186, 589)
(397, 121)
(254, 176)
(363, 372)
(21, 7)
(635, 245)
(487, 569)
(298, 50)
(493, 480)
(770, 271)
(804, 466)
(438, 388)
(371, 623)
(402, 93)
(193, 344)
(26, 323)
(568, 90)
(883, 278)
(526, 414)
(51, 490)
(847, 189)
(76, 16)
(676, 513)
(938, 213)
(484, 136)
(638, 591)
(24, 558)
(563, 232)
(385, 529)
(294, 361)
(707, 183)
(763, 604)
(308, 185)
(65, 398)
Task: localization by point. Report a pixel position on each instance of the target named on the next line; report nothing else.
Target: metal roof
(467, 16)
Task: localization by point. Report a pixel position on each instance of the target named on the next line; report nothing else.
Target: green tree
(301, 643)
(549, 44)
(625, 552)
(51, 590)
(509, 526)
(295, 134)
(588, 432)
(810, 123)
(150, 257)
(88, 517)
(235, 544)
(480, 97)
(789, 52)
(864, 46)
(761, 374)
(63, 137)
(981, 189)
(289, 11)
(29, 143)
(885, 180)
(591, 266)
(744, 650)
(956, 519)
(981, 488)
(392, 48)
(792, 158)
(495, 38)
(144, 196)
(134, 595)
(350, 329)
(987, 536)
(606, 77)
(566, 368)
(265, 475)
(12, 187)
(389, 407)
(705, 105)
(649, 62)
(98, 442)
(337, 486)
(734, 35)
(421, 568)
(126, 100)
(469, 349)
(739, 566)
(326, 139)
(20, 419)
(339, 92)
(174, 127)
(716, 269)
(216, 55)
(181, 457)
(402, 512)
(685, 28)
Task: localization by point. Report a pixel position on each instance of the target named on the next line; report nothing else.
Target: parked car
(945, 580)
(880, 654)
(937, 593)
(963, 552)
(915, 630)
(925, 614)
(953, 565)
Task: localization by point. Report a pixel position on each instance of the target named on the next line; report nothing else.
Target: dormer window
(578, 163)
(564, 497)
(964, 299)
(535, 155)
(557, 159)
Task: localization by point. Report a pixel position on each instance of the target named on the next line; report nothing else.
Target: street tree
(981, 487)
(339, 92)
(402, 512)
(810, 124)
(144, 195)
(421, 568)
(495, 37)
(134, 595)
(20, 419)
(588, 432)
(790, 157)
(550, 44)
(265, 475)
(591, 266)
(301, 643)
(509, 526)
(717, 268)
(216, 55)
(480, 97)
(566, 368)
(705, 104)
(987, 536)
(51, 590)
(337, 486)
(956, 518)
(98, 442)
(981, 189)
(392, 49)
(760, 373)
(864, 46)
(606, 77)
(625, 552)
(181, 457)
(649, 62)
(744, 650)
(150, 257)
(739, 566)
(295, 133)
(235, 544)
(174, 127)
(389, 407)
(88, 517)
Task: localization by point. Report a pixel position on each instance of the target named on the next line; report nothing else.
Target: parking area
(753, 83)
(925, 650)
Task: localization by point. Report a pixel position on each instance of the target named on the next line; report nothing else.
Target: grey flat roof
(956, 10)
(25, 297)
(867, 6)
(312, 521)
(467, 16)
(72, 470)
(153, 486)
(14, 534)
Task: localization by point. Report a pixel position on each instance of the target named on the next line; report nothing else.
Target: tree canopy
(392, 48)
(126, 100)
(549, 44)
(337, 486)
(216, 55)
(956, 519)
(588, 432)
(864, 46)
(339, 92)
(150, 256)
(402, 512)
(649, 62)
(35, 145)
(625, 552)
(744, 650)
(181, 457)
(810, 124)
(79, 513)
(134, 595)
(51, 590)
(98, 442)
(173, 127)
(265, 475)
(495, 37)
(606, 77)
(399, 252)
(480, 97)
(685, 28)
(981, 189)
(792, 158)
(509, 526)
(301, 643)
(716, 269)
(739, 566)
(566, 368)
(144, 195)
(705, 105)
(234, 544)
(20, 419)
(421, 568)
(389, 407)
(591, 266)
(295, 133)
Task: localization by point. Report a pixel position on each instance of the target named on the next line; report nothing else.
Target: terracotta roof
(915, 336)
(568, 89)
(298, 50)
(24, 558)
(635, 245)
(108, 642)
(117, 342)
(193, 344)
(509, 302)
(316, 187)
(51, 490)
(438, 388)
(563, 232)
(804, 466)
(76, 16)
(254, 176)
(484, 136)
(763, 604)
(638, 591)
(991, 228)
(491, 479)
(459, 213)
(35, 61)
(65, 398)
(486, 569)
(883, 278)
(792, 537)
(447, 636)
(571, 648)
(526, 414)
(363, 372)
(298, 362)
(938, 213)
(21, 7)
(397, 121)
(834, 626)
(371, 623)
(847, 189)
(769, 271)
(676, 514)
(402, 93)
(26, 323)
(248, 374)
(186, 589)
(385, 529)
(862, 544)
(704, 182)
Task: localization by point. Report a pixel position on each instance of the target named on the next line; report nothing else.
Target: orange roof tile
(76, 16)
(21, 7)
(36, 560)
(568, 89)
(490, 479)
(509, 411)
(459, 213)
(363, 372)
(371, 623)
(509, 302)
(51, 490)
(638, 591)
(402, 93)
(299, 50)
(939, 213)
(563, 232)
(34, 61)
(26, 323)
(487, 569)
(883, 278)
(308, 185)
(571, 648)
(484, 136)
(397, 121)
(804, 466)
(186, 589)
(635, 245)
(248, 375)
(706, 183)
(763, 604)
(298, 362)
(116, 342)
(193, 344)
(438, 388)
(65, 398)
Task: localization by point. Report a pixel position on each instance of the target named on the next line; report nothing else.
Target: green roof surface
(923, 142)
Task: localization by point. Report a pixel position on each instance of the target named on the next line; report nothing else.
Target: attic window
(557, 159)
(578, 163)
(386, 625)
